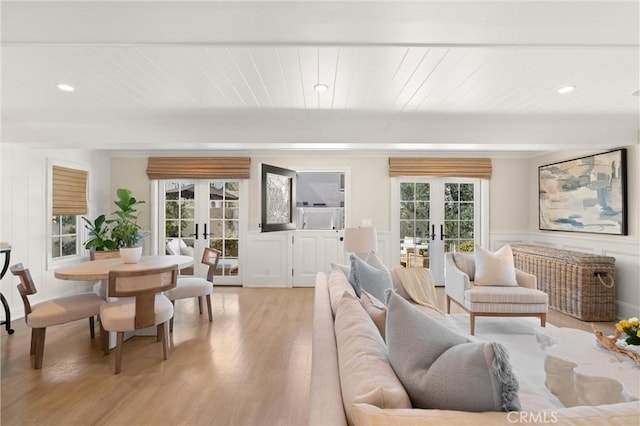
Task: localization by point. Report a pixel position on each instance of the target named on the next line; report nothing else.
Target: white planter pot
(131, 254)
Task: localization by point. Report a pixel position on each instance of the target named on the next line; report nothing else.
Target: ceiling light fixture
(65, 87)
(566, 89)
(319, 87)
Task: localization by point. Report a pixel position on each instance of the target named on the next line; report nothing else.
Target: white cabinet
(313, 251)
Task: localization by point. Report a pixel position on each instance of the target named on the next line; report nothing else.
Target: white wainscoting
(268, 261)
(626, 253)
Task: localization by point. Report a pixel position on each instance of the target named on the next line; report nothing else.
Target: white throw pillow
(495, 269)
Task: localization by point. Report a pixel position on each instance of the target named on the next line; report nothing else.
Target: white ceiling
(405, 77)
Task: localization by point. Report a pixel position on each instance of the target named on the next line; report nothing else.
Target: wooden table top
(99, 269)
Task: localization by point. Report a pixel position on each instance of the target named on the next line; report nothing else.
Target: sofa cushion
(341, 267)
(338, 285)
(376, 310)
(489, 294)
(441, 369)
(370, 275)
(365, 373)
(495, 269)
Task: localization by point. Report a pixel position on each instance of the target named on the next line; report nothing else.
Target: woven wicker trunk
(571, 280)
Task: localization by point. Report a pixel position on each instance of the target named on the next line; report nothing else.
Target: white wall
(25, 215)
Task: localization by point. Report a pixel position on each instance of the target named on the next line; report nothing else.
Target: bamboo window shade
(441, 167)
(198, 167)
(69, 191)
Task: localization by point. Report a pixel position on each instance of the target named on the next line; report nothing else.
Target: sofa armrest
(325, 394)
(526, 279)
(456, 282)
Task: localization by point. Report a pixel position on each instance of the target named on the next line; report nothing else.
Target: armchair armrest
(455, 281)
(526, 279)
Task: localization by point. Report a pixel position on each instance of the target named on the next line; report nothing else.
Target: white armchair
(486, 300)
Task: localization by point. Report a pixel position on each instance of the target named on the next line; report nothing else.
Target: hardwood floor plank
(250, 366)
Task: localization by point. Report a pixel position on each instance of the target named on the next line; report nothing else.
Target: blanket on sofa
(418, 283)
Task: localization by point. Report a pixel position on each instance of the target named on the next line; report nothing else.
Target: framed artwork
(587, 194)
(278, 198)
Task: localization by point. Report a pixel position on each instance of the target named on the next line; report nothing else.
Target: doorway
(434, 216)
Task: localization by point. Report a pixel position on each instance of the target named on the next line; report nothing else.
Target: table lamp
(360, 241)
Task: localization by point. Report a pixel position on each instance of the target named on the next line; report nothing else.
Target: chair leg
(92, 326)
(158, 332)
(448, 304)
(34, 340)
(543, 320)
(200, 304)
(104, 339)
(40, 348)
(472, 322)
(209, 307)
(119, 340)
(163, 329)
(173, 302)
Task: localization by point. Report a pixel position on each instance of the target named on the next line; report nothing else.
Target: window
(68, 203)
(64, 236)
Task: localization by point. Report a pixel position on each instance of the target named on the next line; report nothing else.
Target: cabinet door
(313, 251)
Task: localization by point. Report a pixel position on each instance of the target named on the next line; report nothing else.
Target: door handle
(433, 232)
(442, 235)
(196, 234)
(205, 234)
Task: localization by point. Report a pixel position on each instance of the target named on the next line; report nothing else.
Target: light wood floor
(250, 366)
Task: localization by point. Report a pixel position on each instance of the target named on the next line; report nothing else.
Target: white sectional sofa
(350, 389)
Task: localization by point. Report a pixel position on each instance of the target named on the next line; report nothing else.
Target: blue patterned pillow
(364, 275)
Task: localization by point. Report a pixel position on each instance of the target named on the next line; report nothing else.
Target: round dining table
(99, 269)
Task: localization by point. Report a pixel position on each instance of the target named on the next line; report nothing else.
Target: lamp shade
(360, 240)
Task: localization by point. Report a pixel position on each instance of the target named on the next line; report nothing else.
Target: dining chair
(143, 305)
(188, 287)
(54, 312)
(99, 288)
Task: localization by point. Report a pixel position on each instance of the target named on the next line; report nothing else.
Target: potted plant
(99, 234)
(126, 232)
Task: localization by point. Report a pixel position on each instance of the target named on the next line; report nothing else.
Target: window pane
(466, 211)
(186, 191)
(216, 229)
(422, 191)
(422, 210)
(187, 209)
(466, 192)
(172, 210)
(451, 230)
(407, 210)
(232, 190)
(406, 228)
(216, 191)
(215, 212)
(69, 245)
(171, 191)
(451, 211)
(55, 247)
(466, 229)
(172, 228)
(68, 224)
(231, 210)
(231, 229)
(231, 248)
(406, 191)
(422, 230)
(466, 246)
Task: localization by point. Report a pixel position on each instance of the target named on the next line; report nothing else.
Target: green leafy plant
(126, 231)
(112, 234)
(99, 234)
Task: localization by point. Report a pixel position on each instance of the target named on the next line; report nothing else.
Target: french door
(433, 216)
(194, 214)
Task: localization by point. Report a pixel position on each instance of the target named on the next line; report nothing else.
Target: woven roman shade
(69, 191)
(198, 167)
(441, 167)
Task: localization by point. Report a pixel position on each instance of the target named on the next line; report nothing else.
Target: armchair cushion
(495, 269)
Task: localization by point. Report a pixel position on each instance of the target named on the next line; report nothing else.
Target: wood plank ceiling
(258, 93)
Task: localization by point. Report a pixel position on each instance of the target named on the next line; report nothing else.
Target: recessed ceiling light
(320, 87)
(566, 89)
(636, 93)
(65, 87)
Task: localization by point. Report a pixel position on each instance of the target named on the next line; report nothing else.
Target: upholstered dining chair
(143, 305)
(55, 312)
(190, 287)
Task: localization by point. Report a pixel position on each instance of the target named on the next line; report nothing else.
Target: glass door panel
(414, 224)
(224, 220)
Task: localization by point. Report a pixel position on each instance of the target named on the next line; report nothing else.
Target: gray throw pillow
(368, 277)
(443, 370)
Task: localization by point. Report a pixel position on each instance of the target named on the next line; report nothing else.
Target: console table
(580, 372)
(6, 250)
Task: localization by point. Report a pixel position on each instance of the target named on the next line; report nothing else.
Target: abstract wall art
(587, 194)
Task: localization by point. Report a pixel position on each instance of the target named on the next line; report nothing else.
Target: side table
(6, 249)
(580, 372)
